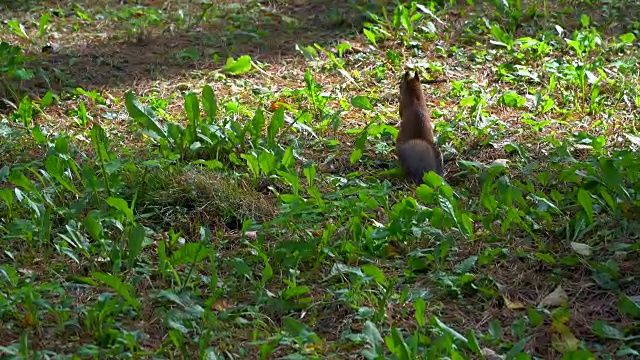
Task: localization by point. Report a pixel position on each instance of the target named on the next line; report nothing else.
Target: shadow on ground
(112, 53)
(118, 51)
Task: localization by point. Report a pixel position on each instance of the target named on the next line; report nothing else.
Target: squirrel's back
(415, 146)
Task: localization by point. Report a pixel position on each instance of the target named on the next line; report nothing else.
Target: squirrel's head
(410, 86)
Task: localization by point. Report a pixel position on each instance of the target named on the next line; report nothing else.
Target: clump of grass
(191, 197)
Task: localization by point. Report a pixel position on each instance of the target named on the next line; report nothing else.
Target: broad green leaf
(42, 24)
(189, 253)
(19, 179)
(295, 291)
(361, 102)
(396, 344)
(628, 306)
(442, 326)
(267, 162)
(136, 239)
(252, 163)
(584, 198)
(512, 99)
(420, 308)
(277, 121)
(93, 226)
(472, 342)
(192, 109)
(47, 99)
(121, 205)
(257, 125)
(17, 28)
(144, 116)
(370, 36)
(579, 355)
(209, 103)
(237, 67)
(627, 38)
(55, 167)
(606, 331)
(116, 285)
(375, 273)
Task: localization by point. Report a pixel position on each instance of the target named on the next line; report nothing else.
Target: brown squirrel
(415, 147)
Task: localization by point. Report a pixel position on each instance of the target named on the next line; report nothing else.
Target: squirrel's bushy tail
(417, 157)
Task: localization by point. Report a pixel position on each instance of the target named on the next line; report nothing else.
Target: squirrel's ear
(407, 76)
(416, 77)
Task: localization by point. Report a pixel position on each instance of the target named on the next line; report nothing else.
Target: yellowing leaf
(512, 305)
(563, 341)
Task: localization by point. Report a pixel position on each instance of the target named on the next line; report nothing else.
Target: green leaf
(136, 239)
(512, 99)
(361, 102)
(189, 253)
(627, 306)
(120, 204)
(38, 135)
(295, 291)
(396, 344)
(446, 329)
(375, 273)
(252, 163)
(192, 109)
(627, 38)
(534, 316)
(42, 24)
(47, 99)
(17, 28)
(89, 177)
(298, 329)
(355, 156)
(116, 285)
(579, 355)
(277, 121)
(606, 331)
(55, 167)
(370, 36)
(308, 52)
(237, 67)
(420, 307)
(267, 162)
(18, 179)
(144, 116)
(473, 343)
(209, 103)
(93, 226)
(584, 198)
(257, 125)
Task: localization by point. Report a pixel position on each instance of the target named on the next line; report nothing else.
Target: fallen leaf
(512, 305)
(251, 235)
(563, 340)
(491, 355)
(556, 298)
(580, 248)
(222, 304)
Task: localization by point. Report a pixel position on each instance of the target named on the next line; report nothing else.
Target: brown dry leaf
(563, 340)
(556, 298)
(513, 305)
(275, 105)
(222, 304)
